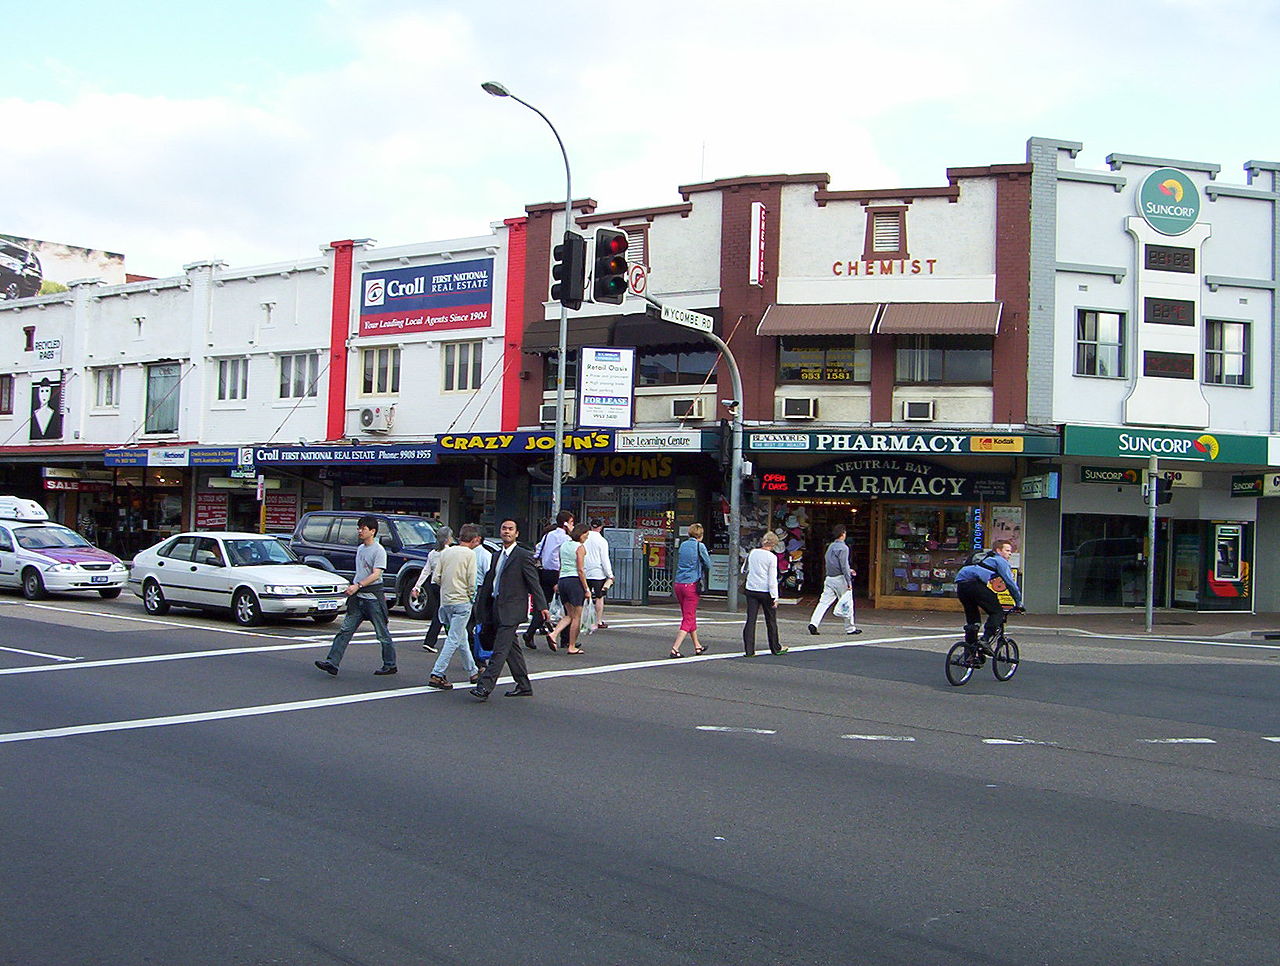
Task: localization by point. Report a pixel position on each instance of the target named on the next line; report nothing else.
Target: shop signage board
(427, 298)
(281, 511)
(889, 477)
(373, 455)
(679, 441)
(1168, 201)
(1041, 487)
(1164, 444)
(171, 456)
(1255, 484)
(607, 379)
(1111, 475)
(212, 511)
(939, 444)
(595, 440)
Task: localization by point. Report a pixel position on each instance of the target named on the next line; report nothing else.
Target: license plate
(98, 580)
(327, 605)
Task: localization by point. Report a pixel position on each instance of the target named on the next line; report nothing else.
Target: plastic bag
(844, 606)
(590, 619)
(556, 610)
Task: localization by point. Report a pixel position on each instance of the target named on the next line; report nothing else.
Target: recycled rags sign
(889, 477)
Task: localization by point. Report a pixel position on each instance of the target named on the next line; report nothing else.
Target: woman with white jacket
(762, 594)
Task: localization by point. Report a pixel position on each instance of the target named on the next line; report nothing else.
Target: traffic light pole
(557, 471)
(735, 459)
(1153, 471)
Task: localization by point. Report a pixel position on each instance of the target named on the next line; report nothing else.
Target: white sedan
(249, 574)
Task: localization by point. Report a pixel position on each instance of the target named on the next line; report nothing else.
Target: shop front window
(830, 359)
(924, 547)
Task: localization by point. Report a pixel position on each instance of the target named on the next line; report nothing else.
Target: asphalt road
(181, 791)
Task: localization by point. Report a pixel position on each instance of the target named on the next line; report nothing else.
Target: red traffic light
(610, 281)
(610, 242)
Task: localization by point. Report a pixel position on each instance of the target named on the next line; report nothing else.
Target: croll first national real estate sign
(424, 298)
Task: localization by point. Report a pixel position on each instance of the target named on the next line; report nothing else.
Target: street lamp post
(557, 471)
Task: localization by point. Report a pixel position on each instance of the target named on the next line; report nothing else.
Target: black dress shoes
(390, 669)
(519, 693)
(480, 694)
(327, 667)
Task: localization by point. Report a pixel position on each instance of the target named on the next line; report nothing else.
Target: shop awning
(940, 318)
(543, 335)
(839, 319)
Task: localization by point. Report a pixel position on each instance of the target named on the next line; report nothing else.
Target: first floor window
(233, 379)
(1100, 344)
(461, 366)
(958, 359)
(162, 397)
(381, 370)
(1226, 353)
(6, 395)
(106, 388)
(833, 359)
(299, 374)
(657, 366)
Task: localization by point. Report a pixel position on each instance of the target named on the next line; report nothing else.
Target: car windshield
(252, 553)
(416, 533)
(45, 538)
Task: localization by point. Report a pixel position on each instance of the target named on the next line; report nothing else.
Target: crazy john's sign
(888, 477)
(451, 295)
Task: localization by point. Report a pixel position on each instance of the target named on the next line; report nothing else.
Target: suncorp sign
(1169, 202)
(1203, 447)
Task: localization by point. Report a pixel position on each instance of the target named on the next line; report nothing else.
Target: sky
(256, 131)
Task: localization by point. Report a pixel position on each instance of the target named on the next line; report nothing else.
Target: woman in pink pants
(692, 563)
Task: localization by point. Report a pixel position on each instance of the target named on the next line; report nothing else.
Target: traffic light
(609, 283)
(1163, 490)
(569, 270)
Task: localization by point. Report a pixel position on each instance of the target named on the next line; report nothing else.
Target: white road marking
(1017, 740)
(155, 620)
(52, 657)
(1271, 739)
(878, 737)
(745, 731)
(1177, 741)
(157, 658)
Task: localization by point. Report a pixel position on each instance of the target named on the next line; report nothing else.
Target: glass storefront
(924, 547)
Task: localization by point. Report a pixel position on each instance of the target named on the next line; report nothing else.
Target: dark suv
(327, 539)
(20, 274)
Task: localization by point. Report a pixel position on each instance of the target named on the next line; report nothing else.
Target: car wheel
(415, 608)
(245, 608)
(324, 618)
(33, 585)
(11, 290)
(110, 593)
(153, 599)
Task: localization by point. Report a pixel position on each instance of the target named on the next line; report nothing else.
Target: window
(381, 370)
(550, 370)
(106, 388)
(674, 367)
(461, 366)
(1100, 344)
(958, 359)
(886, 233)
(233, 379)
(824, 358)
(6, 395)
(1226, 353)
(299, 374)
(162, 397)
(637, 244)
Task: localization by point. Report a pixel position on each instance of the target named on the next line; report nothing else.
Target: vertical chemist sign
(606, 382)
(451, 295)
(755, 272)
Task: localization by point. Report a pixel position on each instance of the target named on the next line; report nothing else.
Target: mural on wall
(46, 406)
(30, 266)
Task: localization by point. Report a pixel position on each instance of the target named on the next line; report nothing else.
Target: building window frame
(164, 395)
(299, 375)
(233, 379)
(1095, 349)
(835, 360)
(380, 370)
(6, 394)
(106, 388)
(1217, 357)
(943, 360)
(884, 222)
(461, 365)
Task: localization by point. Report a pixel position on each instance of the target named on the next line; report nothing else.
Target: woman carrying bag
(693, 565)
(431, 578)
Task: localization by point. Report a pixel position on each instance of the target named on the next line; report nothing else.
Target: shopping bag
(556, 610)
(844, 606)
(589, 617)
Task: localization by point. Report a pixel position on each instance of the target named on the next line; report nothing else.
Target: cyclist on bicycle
(976, 596)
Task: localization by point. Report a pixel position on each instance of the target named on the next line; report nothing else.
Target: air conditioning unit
(917, 410)
(547, 413)
(687, 408)
(377, 419)
(799, 407)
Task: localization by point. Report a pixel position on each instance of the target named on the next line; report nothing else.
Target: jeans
(360, 609)
(833, 588)
(455, 617)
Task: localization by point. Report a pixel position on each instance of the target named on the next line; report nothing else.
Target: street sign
(690, 320)
(637, 279)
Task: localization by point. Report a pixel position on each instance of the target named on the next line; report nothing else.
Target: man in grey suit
(502, 604)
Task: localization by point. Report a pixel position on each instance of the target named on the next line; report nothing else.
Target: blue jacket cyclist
(976, 596)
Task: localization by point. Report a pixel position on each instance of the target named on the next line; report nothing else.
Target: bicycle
(963, 659)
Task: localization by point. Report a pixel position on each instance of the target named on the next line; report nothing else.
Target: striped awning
(940, 318)
(839, 319)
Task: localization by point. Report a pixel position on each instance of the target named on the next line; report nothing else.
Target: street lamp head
(494, 88)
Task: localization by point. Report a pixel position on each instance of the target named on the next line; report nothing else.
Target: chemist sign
(606, 382)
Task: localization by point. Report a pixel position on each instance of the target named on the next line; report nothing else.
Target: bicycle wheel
(959, 664)
(1005, 663)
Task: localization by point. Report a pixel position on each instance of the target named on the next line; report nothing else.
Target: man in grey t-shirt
(365, 601)
(838, 581)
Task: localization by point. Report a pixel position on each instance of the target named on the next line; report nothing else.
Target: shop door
(1104, 561)
(822, 519)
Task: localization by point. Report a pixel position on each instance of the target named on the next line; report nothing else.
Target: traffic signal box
(609, 284)
(569, 270)
(1158, 491)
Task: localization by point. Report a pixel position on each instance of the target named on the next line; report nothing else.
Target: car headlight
(284, 590)
(118, 568)
(62, 568)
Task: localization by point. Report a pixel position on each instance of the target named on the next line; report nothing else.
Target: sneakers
(853, 630)
(813, 629)
(388, 669)
(327, 666)
(438, 682)
(427, 647)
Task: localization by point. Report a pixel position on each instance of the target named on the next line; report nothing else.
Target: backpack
(982, 558)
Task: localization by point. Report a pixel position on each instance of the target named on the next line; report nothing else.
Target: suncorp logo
(1169, 202)
(1202, 447)
(375, 291)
